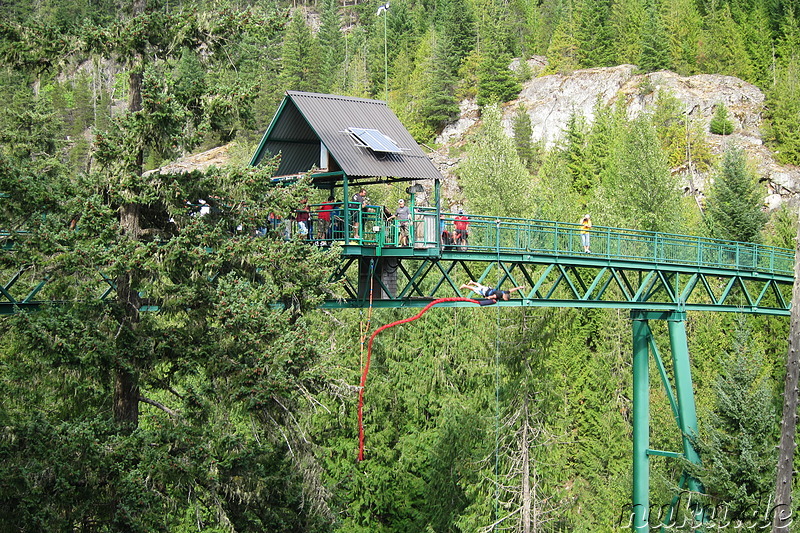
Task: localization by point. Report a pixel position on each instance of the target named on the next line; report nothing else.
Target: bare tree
(782, 513)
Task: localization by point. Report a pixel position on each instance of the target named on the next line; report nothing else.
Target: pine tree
(627, 19)
(574, 152)
(682, 138)
(655, 46)
(724, 50)
(720, 125)
(737, 444)
(647, 196)
(439, 105)
(597, 48)
(735, 200)
(496, 81)
(684, 25)
(523, 133)
(330, 43)
(493, 170)
(783, 99)
(300, 69)
(455, 19)
(562, 52)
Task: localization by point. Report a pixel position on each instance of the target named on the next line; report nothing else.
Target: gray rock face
(550, 101)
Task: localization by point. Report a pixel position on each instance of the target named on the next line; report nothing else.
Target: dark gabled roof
(304, 120)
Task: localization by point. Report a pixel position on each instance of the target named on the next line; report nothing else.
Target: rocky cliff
(550, 100)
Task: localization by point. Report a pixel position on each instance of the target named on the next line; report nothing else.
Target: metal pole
(641, 422)
(385, 59)
(687, 413)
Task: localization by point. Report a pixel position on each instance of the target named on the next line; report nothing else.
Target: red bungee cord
(369, 357)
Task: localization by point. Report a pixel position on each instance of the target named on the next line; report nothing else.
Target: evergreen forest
(224, 412)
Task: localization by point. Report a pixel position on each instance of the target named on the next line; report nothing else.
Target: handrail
(518, 235)
(561, 238)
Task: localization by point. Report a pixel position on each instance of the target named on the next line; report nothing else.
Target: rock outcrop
(550, 100)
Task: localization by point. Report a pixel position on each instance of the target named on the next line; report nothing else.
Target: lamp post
(383, 10)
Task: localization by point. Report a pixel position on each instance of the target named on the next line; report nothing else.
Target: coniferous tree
(493, 169)
(682, 139)
(597, 48)
(724, 50)
(523, 133)
(574, 152)
(439, 105)
(720, 125)
(300, 68)
(735, 200)
(496, 81)
(783, 98)
(455, 19)
(646, 196)
(684, 26)
(563, 50)
(759, 43)
(627, 18)
(655, 46)
(737, 444)
(331, 44)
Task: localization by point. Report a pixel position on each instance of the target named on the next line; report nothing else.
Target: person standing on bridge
(489, 292)
(586, 226)
(403, 215)
(461, 224)
(360, 198)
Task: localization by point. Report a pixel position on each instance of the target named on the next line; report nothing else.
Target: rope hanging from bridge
(369, 358)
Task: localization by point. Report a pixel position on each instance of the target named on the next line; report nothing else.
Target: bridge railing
(370, 227)
(512, 235)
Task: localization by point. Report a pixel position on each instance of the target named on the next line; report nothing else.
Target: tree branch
(170, 412)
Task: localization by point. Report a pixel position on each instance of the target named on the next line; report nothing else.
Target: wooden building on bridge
(346, 143)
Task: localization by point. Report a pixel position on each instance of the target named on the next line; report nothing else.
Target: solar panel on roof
(375, 140)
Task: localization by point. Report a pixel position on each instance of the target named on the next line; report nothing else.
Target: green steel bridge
(656, 276)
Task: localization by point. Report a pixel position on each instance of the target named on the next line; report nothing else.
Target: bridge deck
(626, 268)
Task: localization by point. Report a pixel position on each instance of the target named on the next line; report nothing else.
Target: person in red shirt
(461, 223)
(324, 219)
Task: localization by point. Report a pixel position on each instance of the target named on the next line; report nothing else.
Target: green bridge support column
(684, 406)
(641, 422)
(687, 413)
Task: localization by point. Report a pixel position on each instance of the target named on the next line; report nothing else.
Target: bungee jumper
(489, 292)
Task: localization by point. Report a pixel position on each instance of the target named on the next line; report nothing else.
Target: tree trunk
(526, 469)
(126, 376)
(782, 513)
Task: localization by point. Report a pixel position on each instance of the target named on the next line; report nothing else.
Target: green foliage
(523, 132)
(720, 125)
(300, 66)
(246, 418)
(597, 48)
(439, 105)
(783, 115)
(684, 24)
(493, 177)
(655, 50)
(496, 81)
(646, 196)
(724, 51)
(781, 229)
(562, 53)
(682, 138)
(574, 154)
(627, 18)
(738, 446)
(735, 203)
